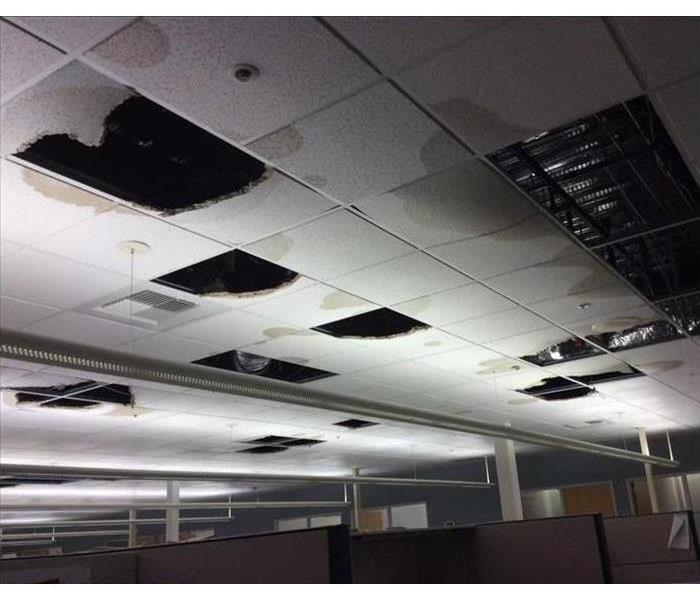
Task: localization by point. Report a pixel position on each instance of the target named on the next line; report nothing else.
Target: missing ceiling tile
(635, 337)
(571, 349)
(152, 158)
(287, 442)
(254, 364)
(86, 394)
(355, 423)
(377, 324)
(270, 440)
(560, 388)
(263, 450)
(301, 442)
(235, 273)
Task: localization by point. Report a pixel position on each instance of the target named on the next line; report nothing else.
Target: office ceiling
(340, 215)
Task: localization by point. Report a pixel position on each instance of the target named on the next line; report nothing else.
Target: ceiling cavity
(634, 337)
(254, 364)
(284, 442)
(83, 395)
(235, 273)
(561, 388)
(571, 349)
(377, 324)
(355, 423)
(616, 180)
(152, 158)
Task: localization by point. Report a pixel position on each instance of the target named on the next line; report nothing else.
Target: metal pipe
(26, 347)
(85, 507)
(62, 534)
(34, 472)
(108, 522)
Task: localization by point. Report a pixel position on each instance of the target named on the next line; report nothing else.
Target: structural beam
(508, 484)
(651, 483)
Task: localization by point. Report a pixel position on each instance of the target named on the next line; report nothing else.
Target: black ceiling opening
(235, 272)
(616, 180)
(561, 388)
(78, 395)
(151, 157)
(262, 366)
(380, 323)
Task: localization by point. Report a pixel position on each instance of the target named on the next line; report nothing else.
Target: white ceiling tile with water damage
(471, 361)
(530, 241)
(498, 325)
(301, 67)
(454, 305)
(530, 343)
(373, 142)
(330, 246)
(411, 276)
(15, 314)
(421, 342)
(169, 347)
(45, 279)
(24, 57)
(297, 347)
(593, 365)
(313, 305)
(465, 201)
(493, 98)
(573, 274)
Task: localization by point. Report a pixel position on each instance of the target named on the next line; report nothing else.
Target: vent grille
(146, 306)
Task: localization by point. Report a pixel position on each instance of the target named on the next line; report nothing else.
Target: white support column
(133, 533)
(508, 484)
(651, 483)
(356, 501)
(172, 515)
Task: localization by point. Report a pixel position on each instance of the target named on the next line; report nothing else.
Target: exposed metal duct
(53, 472)
(21, 346)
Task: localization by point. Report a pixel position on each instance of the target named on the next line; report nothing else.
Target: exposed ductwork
(24, 347)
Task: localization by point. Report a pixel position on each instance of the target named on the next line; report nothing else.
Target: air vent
(146, 306)
(355, 423)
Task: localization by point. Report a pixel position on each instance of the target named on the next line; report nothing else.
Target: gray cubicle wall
(640, 550)
(308, 556)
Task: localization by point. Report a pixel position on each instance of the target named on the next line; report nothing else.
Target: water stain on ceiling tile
(337, 300)
(153, 46)
(233, 274)
(262, 366)
(152, 158)
(377, 324)
(63, 192)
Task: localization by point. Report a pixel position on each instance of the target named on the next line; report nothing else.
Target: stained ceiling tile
(24, 276)
(302, 67)
(233, 329)
(573, 274)
(330, 246)
(589, 366)
(471, 361)
(298, 347)
(15, 314)
(530, 343)
(498, 325)
(81, 329)
(401, 279)
(418, 343)
(375, 141)
(352, 358)
(96, 242)
(313, 305)
(666, 48)
(528, 242)
(276, 203)
(392, 43)
(73, 33)
(493, 98)
(461, 303)
(465, 201)
(22, 58)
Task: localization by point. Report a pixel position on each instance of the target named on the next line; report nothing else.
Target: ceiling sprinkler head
(245, 73)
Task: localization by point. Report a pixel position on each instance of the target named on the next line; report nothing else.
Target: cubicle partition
(558, 550)
(307, 556)
(660, 548)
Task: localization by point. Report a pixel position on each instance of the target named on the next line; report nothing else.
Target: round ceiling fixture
(245, 73)
(133, 247)
(584, 305)
(616, 324)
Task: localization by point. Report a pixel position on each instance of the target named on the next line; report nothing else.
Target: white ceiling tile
(233, 329)
(303, 67)
(330, 246)
(275, 203)
(490, 89)
(35, 205)
(680, 103)
(562, 277)
(410, 375)
(15, 314)
(314, 305)
(667, 359)
(32, 276)
(23, 57)
(73, 33)
(393, 43)
(351, 358)
(72, 327)
(418, 343)
(468, 301)
(642, 313)
(465, 201)
(530, 241)
(96, 241)
(530, 343)
(7, 247)
(169, 347)
(374, 141)
(666, 48)
(471, 361)
(401, 279)
(498, 325)
(298, 347)
(589, 366)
